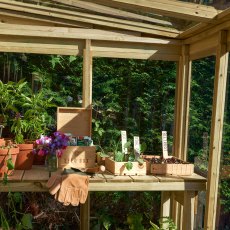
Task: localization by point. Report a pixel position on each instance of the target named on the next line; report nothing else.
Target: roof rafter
(89, 18)
(177, 9)
(111, 11)
(78, 33)
(222, 17)
(9, 16)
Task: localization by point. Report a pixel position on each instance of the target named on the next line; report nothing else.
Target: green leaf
(118, 156)
(153, 226)
(17, 197)
(10, 164)
(127, 144)
(27, 221)
(106, 224)
(72, 58)
(129, 165)
(140, 161)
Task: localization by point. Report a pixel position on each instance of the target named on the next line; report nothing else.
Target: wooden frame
(112, 29)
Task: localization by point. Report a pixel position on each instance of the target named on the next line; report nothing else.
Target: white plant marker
(124, 141)
(164, 144)
(137, 149)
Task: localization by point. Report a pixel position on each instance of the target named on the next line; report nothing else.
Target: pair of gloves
(69, 188)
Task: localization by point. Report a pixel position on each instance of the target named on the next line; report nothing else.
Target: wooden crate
(118, 168)
(76, 121)
(78, 157)
(181, 168)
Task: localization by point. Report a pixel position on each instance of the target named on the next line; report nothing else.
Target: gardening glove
(74, 189)
(54, 183)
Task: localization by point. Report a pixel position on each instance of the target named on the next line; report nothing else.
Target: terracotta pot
(4, 156)
(2, 142)
(25, 157)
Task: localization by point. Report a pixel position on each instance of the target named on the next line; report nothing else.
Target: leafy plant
(164, 223)
(19, 219)
(33, 118)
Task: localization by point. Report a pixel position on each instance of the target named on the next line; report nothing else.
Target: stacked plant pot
(7, 150)
(25, 157)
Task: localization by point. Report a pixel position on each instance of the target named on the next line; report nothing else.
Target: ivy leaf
(27, 221)
(129, 165)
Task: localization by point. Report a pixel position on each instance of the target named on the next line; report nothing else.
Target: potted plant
(125, 162)
(30, 121)
(9, 101)
(52, 147)
(8, 155)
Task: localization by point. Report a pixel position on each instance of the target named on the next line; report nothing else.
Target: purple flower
(53, 145)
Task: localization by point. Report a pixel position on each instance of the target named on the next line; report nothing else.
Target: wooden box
(118, 168)
(76, 121)
(180, 167)
(78, 157)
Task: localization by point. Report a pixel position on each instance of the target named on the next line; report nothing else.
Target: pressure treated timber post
(85, 214)
(181, 115)
(182, 98)
(216, 130)
(188, 210)
(165, 205)
(87, 76)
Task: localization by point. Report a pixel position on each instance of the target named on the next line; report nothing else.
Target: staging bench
(183, 188)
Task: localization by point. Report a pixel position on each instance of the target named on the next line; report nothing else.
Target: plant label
(124, 141)
(164, 144)
(137, 149)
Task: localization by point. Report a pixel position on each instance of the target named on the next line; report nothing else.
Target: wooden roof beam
(89, 18)
(203, 30)
(112, 11)
(177, 9)
(78, 33)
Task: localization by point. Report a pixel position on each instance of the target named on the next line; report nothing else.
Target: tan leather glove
(74, 189)
(54, 183)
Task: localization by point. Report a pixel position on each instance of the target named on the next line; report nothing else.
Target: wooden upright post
(216, 130)
(182, 99)
(87, 76)
(85, 214)
(183, 83)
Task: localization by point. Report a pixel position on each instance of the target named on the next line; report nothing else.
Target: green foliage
(225, 195)
(134, 221)
(32, 118)
(164, 224)
(18, 220)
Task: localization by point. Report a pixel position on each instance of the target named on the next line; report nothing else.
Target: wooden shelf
(34, 180)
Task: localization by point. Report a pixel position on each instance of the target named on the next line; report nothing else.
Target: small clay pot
(25, 157)
(4, 156)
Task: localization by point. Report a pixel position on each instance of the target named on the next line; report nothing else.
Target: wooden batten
(87, 76)
(204, 48)
(176, 9)
(216, 130)
(135, 51)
